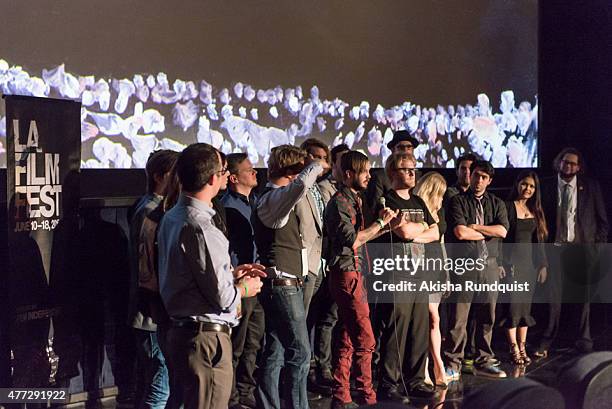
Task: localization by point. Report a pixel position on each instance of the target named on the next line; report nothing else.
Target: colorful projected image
(150, 112)
(246, 78)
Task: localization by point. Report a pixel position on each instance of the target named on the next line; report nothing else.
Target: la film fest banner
(43, 160)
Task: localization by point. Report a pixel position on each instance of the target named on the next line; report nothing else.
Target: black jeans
(246, 342)
(322, 316)
(404, 340)
(569, 284)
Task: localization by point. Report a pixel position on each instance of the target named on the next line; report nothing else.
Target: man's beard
(356, 186)
(568, 175)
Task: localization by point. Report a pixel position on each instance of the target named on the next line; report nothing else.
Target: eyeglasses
(406, 171)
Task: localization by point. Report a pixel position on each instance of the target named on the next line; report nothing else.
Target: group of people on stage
(231, 288)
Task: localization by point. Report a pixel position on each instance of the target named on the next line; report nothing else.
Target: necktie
(316, 194)
(483, 252)
(564, 213)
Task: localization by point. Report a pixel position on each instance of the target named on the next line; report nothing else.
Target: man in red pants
(345, 226)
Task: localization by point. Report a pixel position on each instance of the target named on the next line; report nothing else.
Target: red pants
(356, 336)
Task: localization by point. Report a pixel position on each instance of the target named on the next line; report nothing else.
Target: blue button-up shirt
(238, 212)
(195, 272)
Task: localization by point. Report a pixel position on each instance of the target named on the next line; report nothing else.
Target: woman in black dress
(524, 259)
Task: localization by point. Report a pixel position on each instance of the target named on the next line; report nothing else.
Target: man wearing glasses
(200, 289)
(577, 222)
(405, 318)
(402, 142)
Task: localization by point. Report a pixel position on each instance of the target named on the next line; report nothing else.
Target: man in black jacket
(577, 220)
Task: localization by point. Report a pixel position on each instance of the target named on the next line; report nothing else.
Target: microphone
(382, 201)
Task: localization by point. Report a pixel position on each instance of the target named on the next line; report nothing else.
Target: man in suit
(577, 221)
(309, 212)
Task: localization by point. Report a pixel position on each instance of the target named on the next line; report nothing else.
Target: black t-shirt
(415, 207)
(418, 212)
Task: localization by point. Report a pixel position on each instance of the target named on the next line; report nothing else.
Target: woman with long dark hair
(523, 256)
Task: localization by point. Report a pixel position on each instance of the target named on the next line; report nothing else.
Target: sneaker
(467, 366)
(494, 362)
(489, 371)
(452, 374)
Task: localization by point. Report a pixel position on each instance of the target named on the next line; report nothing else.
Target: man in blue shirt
(239, 203)
(199, 288)
(153, 389)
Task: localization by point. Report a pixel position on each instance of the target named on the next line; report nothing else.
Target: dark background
(427, 52)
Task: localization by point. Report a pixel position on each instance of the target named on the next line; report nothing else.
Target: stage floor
(544, 370)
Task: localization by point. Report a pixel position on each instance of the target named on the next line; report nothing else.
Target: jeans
(323, 315)
(286, 346)
(153, 371)
(355, 343)
(311, 286)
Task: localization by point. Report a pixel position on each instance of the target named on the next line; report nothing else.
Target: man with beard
(348, 235)
(577, 222)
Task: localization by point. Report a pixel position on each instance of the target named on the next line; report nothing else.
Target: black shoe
(248, 401)
(336, 404)
(584, 347)
(313, 396)
(325, 378)
(422, 391)
(392, 395)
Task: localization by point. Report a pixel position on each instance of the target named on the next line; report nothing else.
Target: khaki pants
(201, 365)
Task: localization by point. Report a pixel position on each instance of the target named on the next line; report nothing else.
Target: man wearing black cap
(379, 185)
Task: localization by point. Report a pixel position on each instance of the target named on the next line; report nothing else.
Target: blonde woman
(431, 188)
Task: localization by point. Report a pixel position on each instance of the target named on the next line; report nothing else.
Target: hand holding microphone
(385, 215)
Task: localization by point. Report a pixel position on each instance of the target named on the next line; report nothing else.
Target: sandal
(541, 353)
(524, 355)
(515, 355)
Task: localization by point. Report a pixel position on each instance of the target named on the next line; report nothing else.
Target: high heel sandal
(524, 355)
(515, 355)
